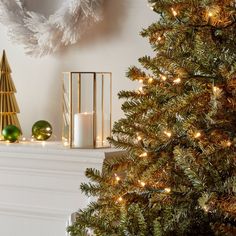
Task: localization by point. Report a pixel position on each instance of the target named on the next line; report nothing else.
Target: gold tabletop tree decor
(8, 104)
(87, 109)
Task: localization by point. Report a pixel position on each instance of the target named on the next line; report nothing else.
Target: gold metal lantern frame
(87, 109)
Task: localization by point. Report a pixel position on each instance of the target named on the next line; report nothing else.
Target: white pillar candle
(83, 130)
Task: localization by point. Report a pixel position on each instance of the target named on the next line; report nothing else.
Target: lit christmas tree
(178, 174)
(8, 104)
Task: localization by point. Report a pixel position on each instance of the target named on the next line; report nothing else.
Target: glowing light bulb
(140, 81)
(143, 154)
(177, 81)
(159, 38)
(117, 178)
(174, 12)
(120, 199)
(197, 135)
(150, 80)
(215, 89)
(205, 208)
(23, 139)
(163, 77)
(228, 144)
(142, 183)
(66, 144)
(139, 138)
(167, 190)
(217, 92)
(151, 5)
(168, 134)
(210, 14)
(140, 89)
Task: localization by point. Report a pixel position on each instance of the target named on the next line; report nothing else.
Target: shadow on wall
(114, 12)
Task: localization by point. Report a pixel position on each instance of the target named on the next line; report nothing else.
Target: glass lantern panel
(66, 108)
(82, 93)
(82, 110)
(103, 111)
(99, 112)
(107, 108)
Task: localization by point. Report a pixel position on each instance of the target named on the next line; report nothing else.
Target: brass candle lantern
(87, 108)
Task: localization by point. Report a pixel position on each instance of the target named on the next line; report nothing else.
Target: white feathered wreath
(41, 35)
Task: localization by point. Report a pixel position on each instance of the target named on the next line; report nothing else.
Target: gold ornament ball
(41, 130)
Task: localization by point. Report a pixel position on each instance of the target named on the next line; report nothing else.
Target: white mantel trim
(39, 172)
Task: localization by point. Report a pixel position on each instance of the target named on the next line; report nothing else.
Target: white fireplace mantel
(39, 186)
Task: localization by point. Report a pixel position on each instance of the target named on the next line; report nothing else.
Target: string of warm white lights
(142, 185)
(209, 12)
(177, 80)
(25, 141)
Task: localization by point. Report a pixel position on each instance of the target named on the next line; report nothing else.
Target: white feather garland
(42, 36)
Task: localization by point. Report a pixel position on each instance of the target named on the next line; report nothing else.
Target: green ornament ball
(41, 130)
(11, 133)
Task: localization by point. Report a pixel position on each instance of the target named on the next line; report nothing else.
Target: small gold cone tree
(8, 104)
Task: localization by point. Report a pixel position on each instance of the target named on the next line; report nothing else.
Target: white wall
(113, 45)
